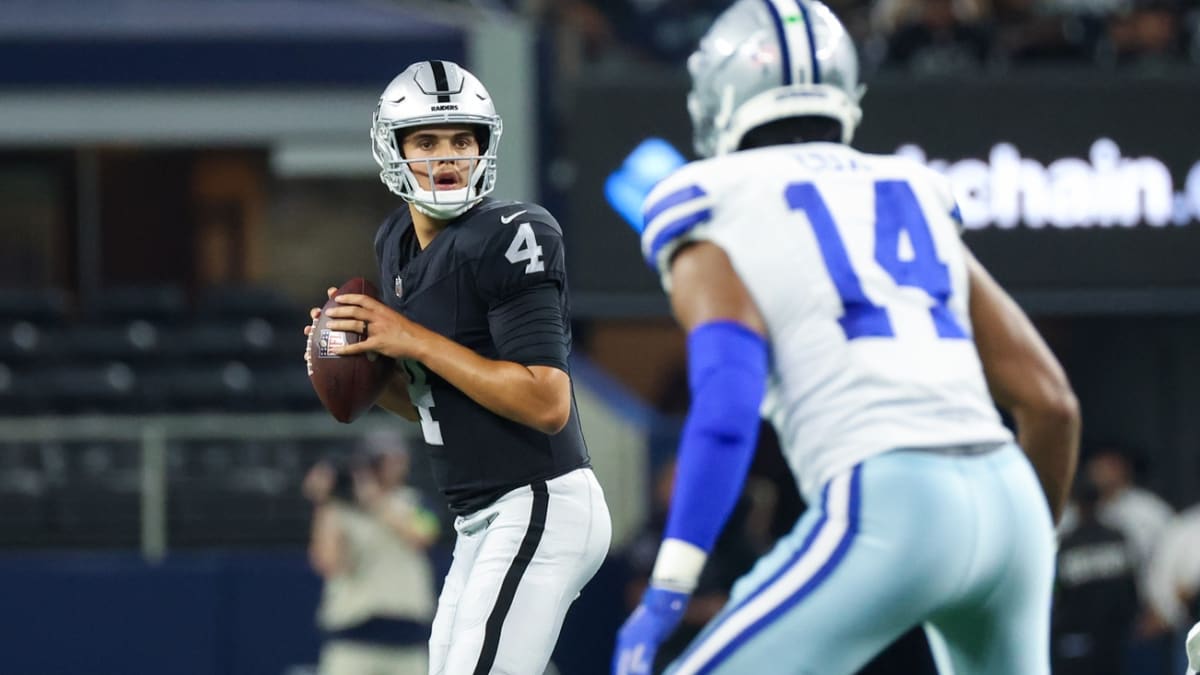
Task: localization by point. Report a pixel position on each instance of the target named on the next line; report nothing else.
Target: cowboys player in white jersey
(476, 313)
(832, 288)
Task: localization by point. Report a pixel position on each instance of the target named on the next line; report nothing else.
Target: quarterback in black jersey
(476, 312)
(493, 282)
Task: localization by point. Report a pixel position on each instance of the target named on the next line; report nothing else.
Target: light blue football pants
(956, 539)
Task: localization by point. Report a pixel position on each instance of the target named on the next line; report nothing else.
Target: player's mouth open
(446, 180)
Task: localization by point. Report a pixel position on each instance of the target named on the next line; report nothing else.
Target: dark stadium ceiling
(187, 43)
(163, 19)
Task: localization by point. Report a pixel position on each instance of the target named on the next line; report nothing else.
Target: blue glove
(627, 187)
(645, 629)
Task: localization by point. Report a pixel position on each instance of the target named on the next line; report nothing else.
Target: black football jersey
(457, 286)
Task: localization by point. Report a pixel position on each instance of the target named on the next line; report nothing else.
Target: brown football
(347, 385)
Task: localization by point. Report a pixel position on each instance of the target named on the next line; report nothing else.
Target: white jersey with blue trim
(856, 265)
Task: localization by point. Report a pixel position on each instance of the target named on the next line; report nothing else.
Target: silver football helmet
(767, 60)
(429, 93)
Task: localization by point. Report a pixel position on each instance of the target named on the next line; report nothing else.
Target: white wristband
(678, 565)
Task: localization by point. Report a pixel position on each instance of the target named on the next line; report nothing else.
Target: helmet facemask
(435, 94)
(398, 175)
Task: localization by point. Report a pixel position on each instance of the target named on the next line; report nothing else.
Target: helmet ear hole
(806, 129)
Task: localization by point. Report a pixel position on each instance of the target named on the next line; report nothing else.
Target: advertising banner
(1084, 186)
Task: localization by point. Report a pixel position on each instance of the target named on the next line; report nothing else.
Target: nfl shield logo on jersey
(399, 286)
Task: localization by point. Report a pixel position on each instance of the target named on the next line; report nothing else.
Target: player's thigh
(577, 534)
(855, 573)
(805, 607)
(573, 546)
(466, 549)
(496, 557)
(1008, 629)
(521, 587)
(999, 642)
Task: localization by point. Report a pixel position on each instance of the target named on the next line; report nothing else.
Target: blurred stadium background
(181, 179)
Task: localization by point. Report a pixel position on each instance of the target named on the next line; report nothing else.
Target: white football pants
(518, 565)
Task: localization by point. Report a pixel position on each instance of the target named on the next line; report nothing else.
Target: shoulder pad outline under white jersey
(675, 207)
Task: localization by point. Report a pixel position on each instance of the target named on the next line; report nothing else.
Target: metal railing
(617, 428)
(153, 433)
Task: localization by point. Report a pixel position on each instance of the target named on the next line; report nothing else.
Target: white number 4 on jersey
(524, 246)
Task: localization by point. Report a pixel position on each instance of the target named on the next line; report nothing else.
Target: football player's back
(854, 262)
(830, 288)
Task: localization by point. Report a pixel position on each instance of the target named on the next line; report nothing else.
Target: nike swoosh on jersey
(504, 220)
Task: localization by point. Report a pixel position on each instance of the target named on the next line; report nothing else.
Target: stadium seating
(36, 305)
(220, 493)
(145, 349)
(148, 350)
(161, 304)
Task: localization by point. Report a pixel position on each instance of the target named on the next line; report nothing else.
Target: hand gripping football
(347, 385)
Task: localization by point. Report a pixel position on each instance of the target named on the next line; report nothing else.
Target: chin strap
(451, 208)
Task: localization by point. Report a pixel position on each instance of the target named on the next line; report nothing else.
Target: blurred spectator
(732, 556)
(922, 36)
(1095, 601)
(1173, 577)
(582, 33)
(939, 36)
(1150, 32)
(666, 31)
(1137, 513)
(369, 541)
(1029, 31)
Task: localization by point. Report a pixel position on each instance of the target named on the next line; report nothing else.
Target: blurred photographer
(369, 541)
(1095, 599)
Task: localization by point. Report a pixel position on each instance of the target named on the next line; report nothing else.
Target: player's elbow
(1058, 402)
(1063, 408)
(551, 401)
(1053, 403)
(553, 419)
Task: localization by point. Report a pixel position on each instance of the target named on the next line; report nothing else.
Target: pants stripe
(512, 578)
(823, 549)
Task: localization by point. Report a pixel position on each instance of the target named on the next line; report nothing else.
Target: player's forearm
(394, 399)
(539, 398)
(1026, 379)
(1050, 437)
(727, 372)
